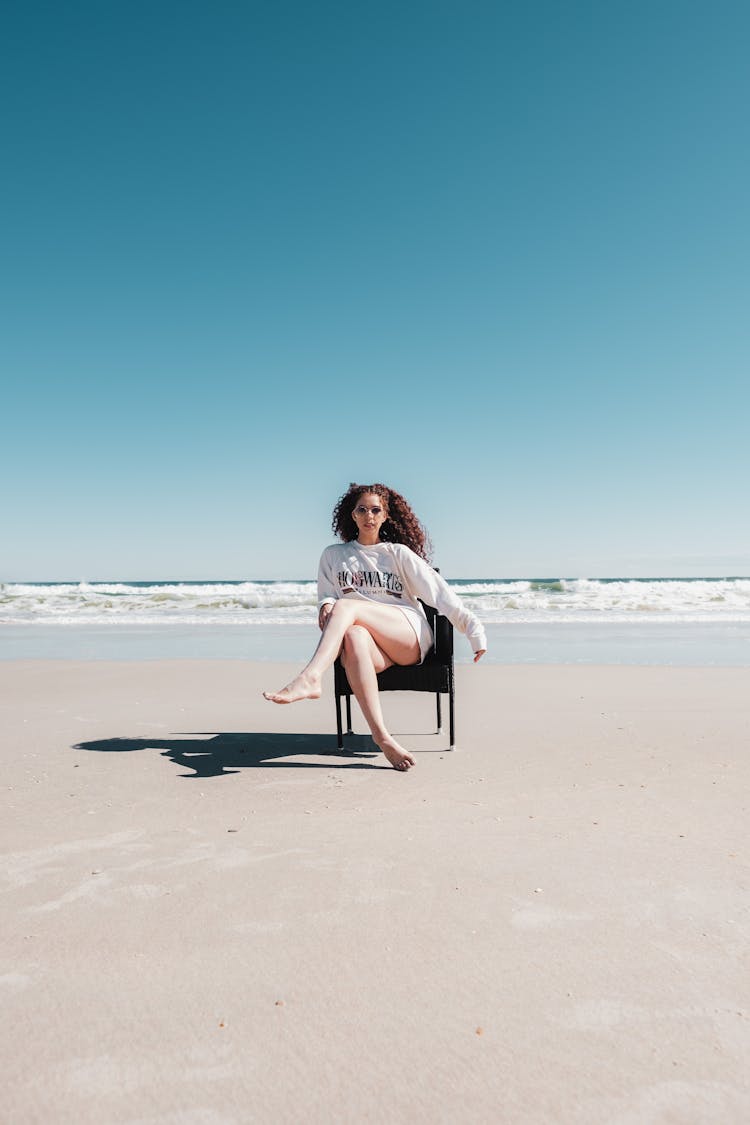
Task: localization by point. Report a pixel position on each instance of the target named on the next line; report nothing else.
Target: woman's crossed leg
(370, 638)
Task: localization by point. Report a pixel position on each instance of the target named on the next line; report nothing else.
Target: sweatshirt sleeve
(428, 585)
(327, 591)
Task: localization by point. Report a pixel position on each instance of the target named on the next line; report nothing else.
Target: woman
(368, 611)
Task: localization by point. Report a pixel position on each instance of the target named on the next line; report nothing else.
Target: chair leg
(439, 713)
(339, 730)
(349, 715)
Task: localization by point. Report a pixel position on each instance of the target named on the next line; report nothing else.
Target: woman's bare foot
(396, 755)
(303, 686)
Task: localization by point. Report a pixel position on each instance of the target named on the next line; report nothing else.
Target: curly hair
(401, 525)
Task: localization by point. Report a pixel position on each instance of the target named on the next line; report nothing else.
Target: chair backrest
(442, 631)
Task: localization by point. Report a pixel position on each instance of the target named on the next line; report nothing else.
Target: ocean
(545, 620)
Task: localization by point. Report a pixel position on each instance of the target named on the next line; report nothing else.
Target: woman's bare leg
(386, 625)
(363, 661)
(372, 637)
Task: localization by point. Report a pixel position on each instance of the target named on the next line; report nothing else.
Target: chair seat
(433, 675)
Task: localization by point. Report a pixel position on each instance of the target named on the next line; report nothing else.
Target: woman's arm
(432, 588)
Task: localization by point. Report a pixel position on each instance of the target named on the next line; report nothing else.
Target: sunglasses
(361, 510)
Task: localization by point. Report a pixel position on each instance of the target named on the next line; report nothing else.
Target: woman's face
(369, 514)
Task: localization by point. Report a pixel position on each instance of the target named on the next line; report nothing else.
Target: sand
(210, 917)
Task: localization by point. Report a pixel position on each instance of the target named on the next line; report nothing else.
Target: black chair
(435, 674)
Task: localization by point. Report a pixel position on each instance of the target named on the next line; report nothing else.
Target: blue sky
(493, 254)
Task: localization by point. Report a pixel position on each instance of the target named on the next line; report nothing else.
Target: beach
(267, 261)
(211, 917)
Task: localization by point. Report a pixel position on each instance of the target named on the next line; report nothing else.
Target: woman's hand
(478, 655)
(323, 614)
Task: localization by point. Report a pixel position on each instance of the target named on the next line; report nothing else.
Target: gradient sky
(494, 254)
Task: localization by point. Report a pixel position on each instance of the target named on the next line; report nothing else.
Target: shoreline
(677, 644)
(210, 914)
(650, 644)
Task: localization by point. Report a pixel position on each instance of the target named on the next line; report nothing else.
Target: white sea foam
(579, 600)
(616, 600)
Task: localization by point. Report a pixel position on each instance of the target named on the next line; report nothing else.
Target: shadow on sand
(215, 754)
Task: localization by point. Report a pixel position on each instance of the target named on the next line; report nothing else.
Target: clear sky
(494, 254)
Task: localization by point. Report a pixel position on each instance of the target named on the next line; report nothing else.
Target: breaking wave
(288, 602)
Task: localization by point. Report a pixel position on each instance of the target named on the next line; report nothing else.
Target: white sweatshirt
(392, 574)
